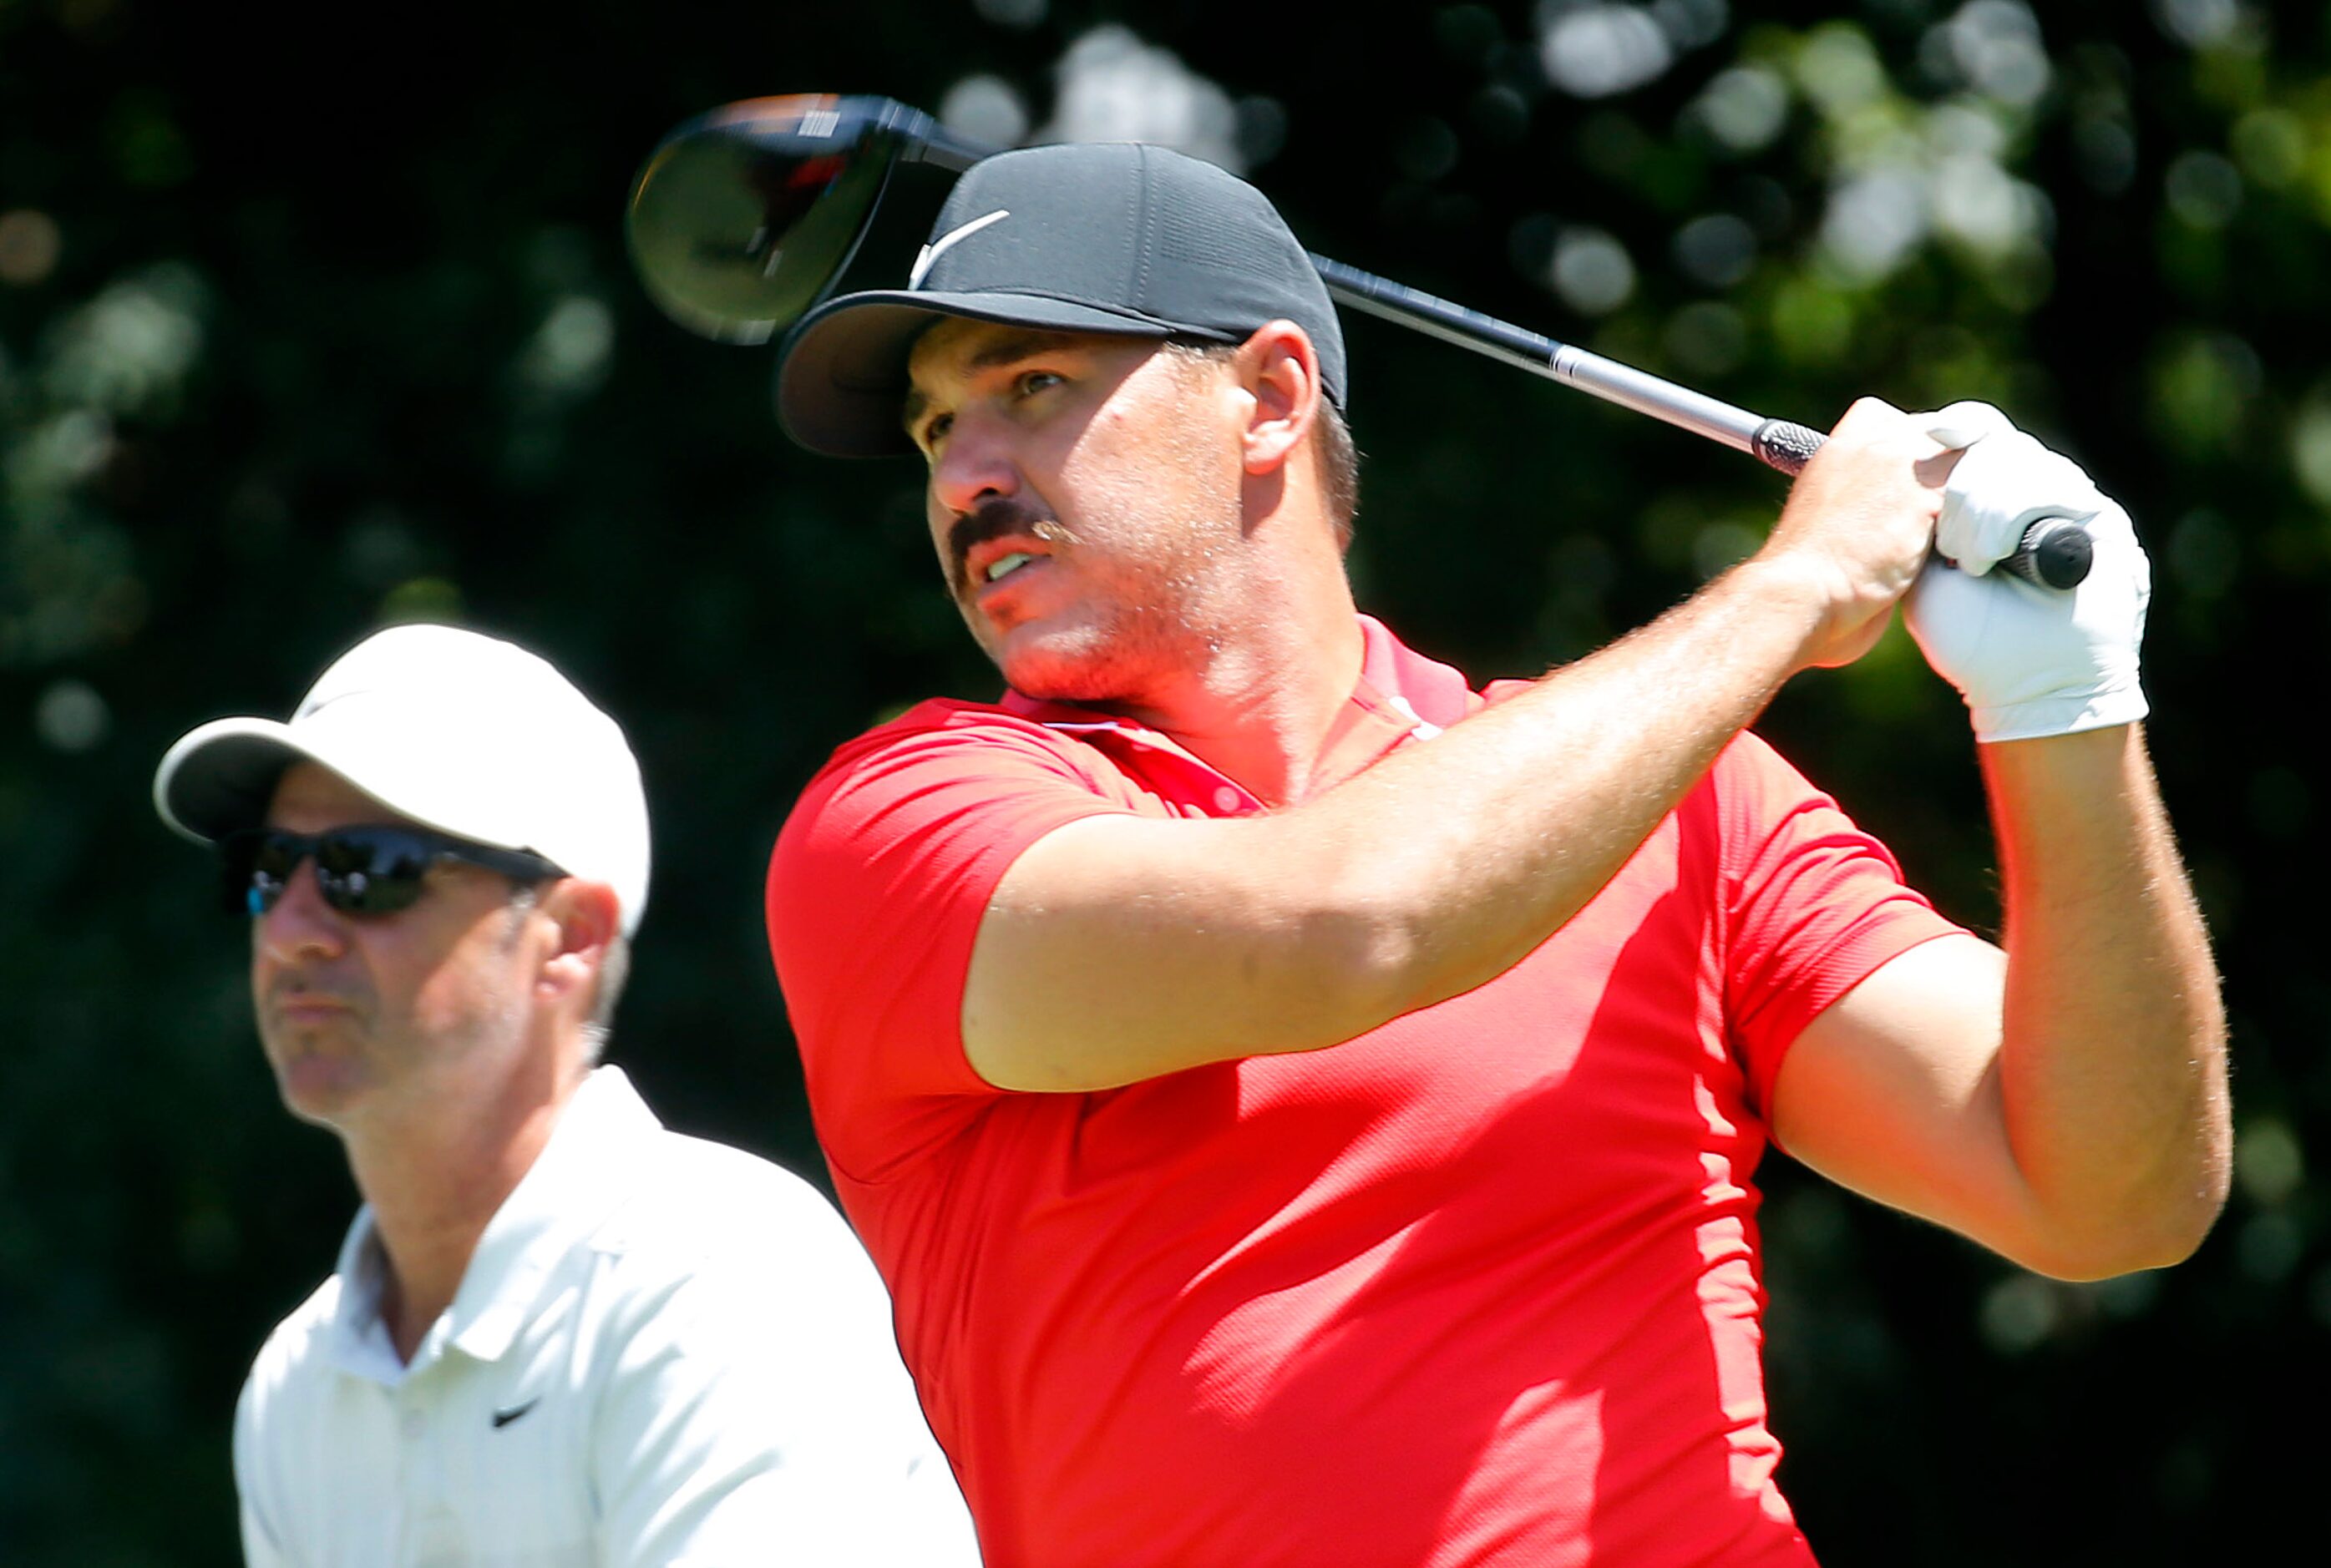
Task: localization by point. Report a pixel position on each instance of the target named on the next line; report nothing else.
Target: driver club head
(743, 218)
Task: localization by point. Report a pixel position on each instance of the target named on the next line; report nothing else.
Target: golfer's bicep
(1894, 1092)
(1118, 948)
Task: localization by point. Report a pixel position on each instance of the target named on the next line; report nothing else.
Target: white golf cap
(460, 732)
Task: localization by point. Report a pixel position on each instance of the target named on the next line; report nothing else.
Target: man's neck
(1264, 702)
(1261, 713)
(1256, 694)
(435, 1180)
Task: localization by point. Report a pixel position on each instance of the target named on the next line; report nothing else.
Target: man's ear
(586, 917)
(1279, 369)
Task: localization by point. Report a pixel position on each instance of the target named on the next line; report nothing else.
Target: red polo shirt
(1479, 1286)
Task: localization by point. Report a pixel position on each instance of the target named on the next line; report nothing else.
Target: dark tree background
(305, 327)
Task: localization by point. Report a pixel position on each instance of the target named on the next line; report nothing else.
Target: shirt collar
(578, 1181)
(356, 1341)
(1433, 693)
(1400, 697)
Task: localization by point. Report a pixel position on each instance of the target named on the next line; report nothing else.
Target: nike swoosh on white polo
(932, 251)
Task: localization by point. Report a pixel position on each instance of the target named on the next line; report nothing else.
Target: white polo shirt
(665, 1351)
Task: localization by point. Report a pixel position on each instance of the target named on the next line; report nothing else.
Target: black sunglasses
(367, 868)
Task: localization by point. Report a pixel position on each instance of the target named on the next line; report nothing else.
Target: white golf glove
(2003, 484)
(2034, 661)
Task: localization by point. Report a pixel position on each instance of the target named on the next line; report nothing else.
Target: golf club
(743, 218)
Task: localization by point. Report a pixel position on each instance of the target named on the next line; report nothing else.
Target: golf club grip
(1784, 444)
(2055, 552)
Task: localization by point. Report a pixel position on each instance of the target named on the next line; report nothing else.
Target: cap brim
(219, 776)
(843, 367)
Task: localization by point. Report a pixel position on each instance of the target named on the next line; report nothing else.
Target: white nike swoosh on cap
(931, 251)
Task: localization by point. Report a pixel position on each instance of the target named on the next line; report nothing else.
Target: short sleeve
(752, 1408)
(876, 890)
(261, 1548)
(1814, 904)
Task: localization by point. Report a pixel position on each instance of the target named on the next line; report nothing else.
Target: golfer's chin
(321, 1087)
(1056, 662)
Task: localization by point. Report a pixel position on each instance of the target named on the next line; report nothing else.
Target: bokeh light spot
(71, 717)
(29, 244)
(1591, 270)
(986, 109)
(2270, 1163)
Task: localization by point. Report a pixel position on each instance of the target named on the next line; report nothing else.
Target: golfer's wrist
(2058, 713)
(1811, 600)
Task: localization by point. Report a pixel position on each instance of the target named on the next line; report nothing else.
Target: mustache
(994, 520)
(298, 989)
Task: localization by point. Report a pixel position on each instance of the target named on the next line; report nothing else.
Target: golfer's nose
(973, 465)
(299, 923)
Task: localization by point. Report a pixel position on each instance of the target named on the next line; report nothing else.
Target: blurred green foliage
(305, 330)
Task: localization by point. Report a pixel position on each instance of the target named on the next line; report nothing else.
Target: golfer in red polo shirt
(1306, 1110)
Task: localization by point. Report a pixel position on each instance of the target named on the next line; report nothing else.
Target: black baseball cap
(1115, 237)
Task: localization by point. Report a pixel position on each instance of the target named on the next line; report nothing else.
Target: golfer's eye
(1029, 383)
(935, 430)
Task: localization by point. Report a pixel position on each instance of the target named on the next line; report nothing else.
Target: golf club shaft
(1775, 441)
(2054, 552)
(924, 140)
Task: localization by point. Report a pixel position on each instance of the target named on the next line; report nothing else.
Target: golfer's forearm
(1482, 844)
(2113, 1072)
(1118, 948)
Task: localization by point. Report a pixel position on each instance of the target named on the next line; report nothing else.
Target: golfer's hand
(1858, 525)
(2005, 482)
(2035, 662)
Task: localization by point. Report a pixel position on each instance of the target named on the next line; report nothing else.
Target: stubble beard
(1144, 629)
(1151, 623)
(386, 1062)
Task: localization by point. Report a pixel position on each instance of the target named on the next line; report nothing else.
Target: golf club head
(743, 218)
